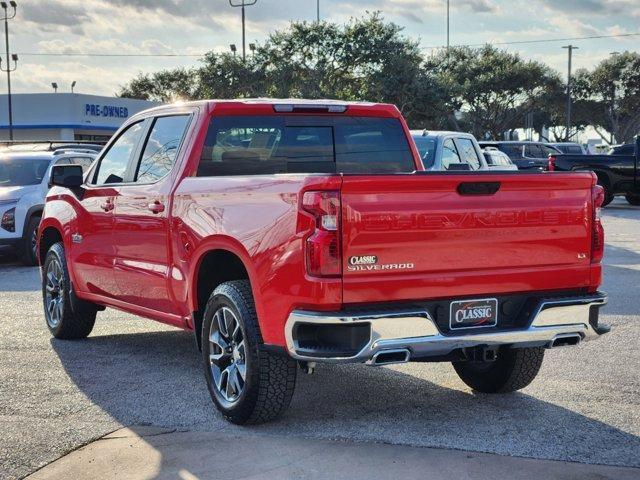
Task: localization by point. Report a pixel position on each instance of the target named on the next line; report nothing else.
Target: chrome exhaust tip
(566, 340)
(388, 357)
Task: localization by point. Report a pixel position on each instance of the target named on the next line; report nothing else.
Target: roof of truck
(256, 104)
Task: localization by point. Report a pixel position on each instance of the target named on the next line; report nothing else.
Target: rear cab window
(270, 144)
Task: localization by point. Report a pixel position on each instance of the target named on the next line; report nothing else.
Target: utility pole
(447, 27)
(242, 4)
(570, 49)
(318, 10)
(6, 17)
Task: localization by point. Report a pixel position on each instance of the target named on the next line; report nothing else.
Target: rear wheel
(67, 316)
(608, 196)
(513, 369)
(29, 242)
(247, 382)
(633, 199)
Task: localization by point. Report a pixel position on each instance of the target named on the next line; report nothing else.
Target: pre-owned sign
(97, 110)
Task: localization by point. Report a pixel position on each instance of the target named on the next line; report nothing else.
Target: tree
(615, 85)
(494, 89)
(366, 59)
(164, 86)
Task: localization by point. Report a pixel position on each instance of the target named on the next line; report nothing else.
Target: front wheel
(633, 199)
(513, 369)
(247, 382)
(67, 316)
(30, 241)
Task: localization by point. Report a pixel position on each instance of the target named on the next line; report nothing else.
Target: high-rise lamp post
(570, 49)
(318, 10)
(242, 4)
(6, 17)
(448, 16)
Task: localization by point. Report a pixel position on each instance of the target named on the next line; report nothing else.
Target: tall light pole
(242, 4)
(570, 49)
(318, 11)
(447, 26)
(6, 17)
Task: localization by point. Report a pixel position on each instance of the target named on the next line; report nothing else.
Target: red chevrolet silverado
(285, 233)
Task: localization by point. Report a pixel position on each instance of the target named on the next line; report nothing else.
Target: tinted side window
(533, 151)
(468, 153)
(449, 154)
(513, 151)
(160, 151)
(258, 145)
(114, 163)
(372, 145)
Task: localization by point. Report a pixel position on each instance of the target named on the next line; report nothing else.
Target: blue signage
(96, 110)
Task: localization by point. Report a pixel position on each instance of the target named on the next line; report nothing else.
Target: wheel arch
(219, 259)
(35, 210)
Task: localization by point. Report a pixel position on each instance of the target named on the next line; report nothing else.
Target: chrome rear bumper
(564, 321)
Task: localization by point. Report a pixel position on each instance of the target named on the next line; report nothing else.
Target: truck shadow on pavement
(155, 379)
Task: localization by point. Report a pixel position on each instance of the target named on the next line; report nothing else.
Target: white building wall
(60, 116)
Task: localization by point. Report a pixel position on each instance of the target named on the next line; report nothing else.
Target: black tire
(513, 369)
(270, 378)
(73, 318)
(633, 199)
(28, 252)
(608, 196)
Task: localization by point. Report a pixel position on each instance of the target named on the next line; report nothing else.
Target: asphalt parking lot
(57, 396)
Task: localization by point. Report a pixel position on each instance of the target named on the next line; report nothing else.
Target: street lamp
(55, 86)
(570, 49)
(233, 48)
(242, 4)
(6, 17)
(73, 85)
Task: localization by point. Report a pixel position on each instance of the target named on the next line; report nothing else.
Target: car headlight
(8, 221)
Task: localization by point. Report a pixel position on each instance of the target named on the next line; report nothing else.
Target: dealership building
(66, 116)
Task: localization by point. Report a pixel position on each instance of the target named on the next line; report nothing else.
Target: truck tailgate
(412, 237)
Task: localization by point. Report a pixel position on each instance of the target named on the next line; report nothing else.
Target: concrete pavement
(154, 453)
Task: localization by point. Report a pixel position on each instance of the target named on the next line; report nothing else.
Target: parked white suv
(24, 182)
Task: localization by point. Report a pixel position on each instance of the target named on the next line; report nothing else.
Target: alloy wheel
(227, 355)
(54, 293)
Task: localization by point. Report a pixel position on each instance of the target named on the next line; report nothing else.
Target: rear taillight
(597, 235)
(552, 163)
(323, 257)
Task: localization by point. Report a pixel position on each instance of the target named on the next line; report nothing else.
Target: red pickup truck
(285, 233)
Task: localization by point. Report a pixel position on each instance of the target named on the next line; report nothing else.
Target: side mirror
(68, 176)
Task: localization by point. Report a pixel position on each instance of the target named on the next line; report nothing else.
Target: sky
(192, 27)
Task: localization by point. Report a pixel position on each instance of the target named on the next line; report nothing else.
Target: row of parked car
(617, 171)
(25, 170)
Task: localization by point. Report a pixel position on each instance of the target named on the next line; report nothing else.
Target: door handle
(478, 188)
(156, 207)
(107, 206)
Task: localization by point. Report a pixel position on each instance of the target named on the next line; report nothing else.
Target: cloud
(55, 15)
(595, 7)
